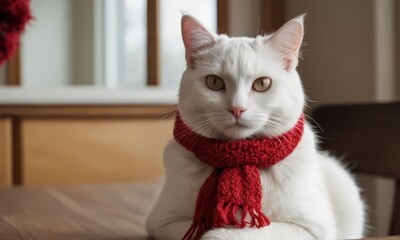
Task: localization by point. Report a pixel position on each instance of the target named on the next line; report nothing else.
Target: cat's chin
(238, 131)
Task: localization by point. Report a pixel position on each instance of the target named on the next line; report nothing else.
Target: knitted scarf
(231, 195)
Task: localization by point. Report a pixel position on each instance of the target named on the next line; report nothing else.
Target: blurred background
(348, 45)
(86, 97)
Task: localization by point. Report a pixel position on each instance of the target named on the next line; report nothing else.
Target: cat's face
(237, 88)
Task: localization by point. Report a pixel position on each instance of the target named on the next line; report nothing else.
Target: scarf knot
(232, 194)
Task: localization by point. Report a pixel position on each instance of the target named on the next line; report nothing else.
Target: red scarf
(234, 186)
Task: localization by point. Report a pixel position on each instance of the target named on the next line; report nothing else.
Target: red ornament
(14, 15)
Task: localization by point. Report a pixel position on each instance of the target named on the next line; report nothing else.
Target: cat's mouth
(238, 130)
(239, 125)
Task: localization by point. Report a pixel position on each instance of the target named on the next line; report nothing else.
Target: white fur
(308, 195)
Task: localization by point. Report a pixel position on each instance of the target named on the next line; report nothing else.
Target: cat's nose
(236, 111)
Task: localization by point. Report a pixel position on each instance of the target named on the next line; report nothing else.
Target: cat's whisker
(272, 132)
(319, 126)
(202, 126)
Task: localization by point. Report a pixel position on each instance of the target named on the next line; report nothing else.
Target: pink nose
(236, 111)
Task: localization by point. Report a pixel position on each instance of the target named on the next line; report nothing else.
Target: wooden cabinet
(94, 146)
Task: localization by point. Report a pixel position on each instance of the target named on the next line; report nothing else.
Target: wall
(397, 41)
(385, 49)
(348, 50)
(338, 56)
(244, 17)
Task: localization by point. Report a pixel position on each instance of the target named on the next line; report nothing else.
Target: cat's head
(241, 87)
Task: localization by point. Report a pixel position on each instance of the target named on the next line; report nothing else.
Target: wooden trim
(17, 167)
(395, 222)
(14, 70)
(272, 15)
(152, 43)
(88, 111)
(5, 152)
(223, 16)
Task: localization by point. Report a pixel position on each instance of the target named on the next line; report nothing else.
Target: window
(134, 36)
(140, 41)
(118, 43)
(172, 53)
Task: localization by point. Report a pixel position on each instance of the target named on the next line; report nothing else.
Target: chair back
(368, 137)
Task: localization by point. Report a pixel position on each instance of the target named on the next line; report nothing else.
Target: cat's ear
(287, 41)
(195, 37)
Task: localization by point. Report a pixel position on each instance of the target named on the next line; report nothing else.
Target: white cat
(308, 195)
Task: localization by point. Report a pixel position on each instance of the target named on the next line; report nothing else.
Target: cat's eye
(262, 84)
(215, 83)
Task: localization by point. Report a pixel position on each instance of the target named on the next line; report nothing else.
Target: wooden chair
(368, 136)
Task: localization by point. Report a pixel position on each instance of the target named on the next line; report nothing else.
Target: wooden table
(104, 212)
(107, 212)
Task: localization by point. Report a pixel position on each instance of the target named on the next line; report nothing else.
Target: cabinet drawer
(76, 151)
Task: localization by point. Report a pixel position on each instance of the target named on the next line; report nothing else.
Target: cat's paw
(225, 234)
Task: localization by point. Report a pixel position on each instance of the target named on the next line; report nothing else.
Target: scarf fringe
(195, 231)
(227, 215)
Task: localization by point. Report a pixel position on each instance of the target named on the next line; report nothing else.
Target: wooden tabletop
(106, 212)
(103, 212)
